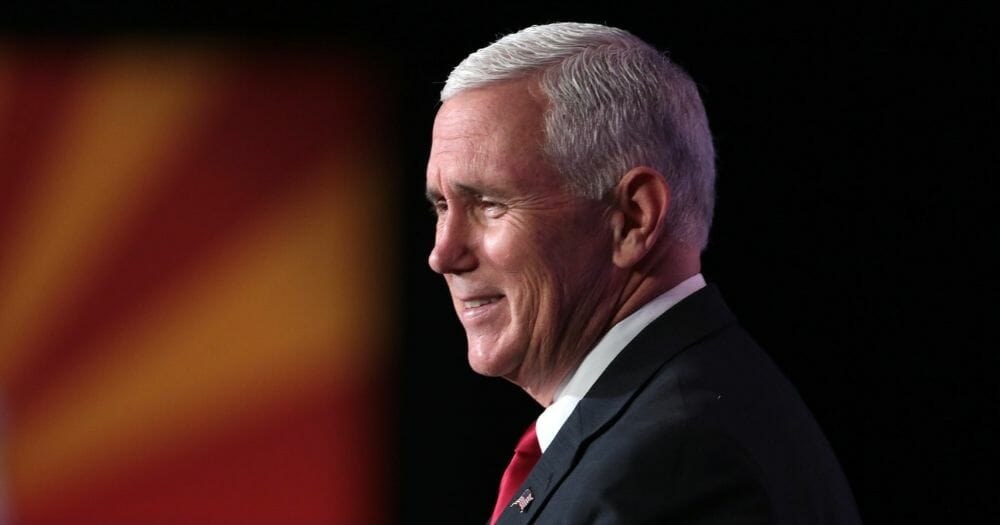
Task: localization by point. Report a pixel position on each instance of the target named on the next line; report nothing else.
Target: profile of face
(528, 263)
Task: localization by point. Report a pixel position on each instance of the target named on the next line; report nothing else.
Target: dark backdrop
(851, 233)
(850, 236)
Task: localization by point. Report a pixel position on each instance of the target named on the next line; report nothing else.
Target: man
(572, 170)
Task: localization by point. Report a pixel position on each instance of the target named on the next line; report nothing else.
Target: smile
(476, 303)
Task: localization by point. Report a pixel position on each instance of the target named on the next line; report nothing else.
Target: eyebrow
(464, 189)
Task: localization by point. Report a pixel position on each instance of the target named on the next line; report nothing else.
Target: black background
(852, 232)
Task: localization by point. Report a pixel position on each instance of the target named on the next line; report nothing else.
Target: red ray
(40, 90)
(318, 460)
(273, 120)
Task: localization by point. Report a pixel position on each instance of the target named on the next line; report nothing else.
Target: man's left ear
(638, 215)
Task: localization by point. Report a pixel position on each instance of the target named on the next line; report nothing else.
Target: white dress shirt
(594, 364)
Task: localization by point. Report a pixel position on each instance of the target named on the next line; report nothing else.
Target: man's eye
(439, 208)
(491, 208)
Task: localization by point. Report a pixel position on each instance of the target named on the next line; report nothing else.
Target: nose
(453, 252)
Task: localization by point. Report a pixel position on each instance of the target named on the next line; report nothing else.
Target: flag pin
(523, 501)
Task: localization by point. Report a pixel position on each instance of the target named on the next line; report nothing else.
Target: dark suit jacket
(691, 423)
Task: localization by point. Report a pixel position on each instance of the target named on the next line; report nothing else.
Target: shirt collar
(597, 361)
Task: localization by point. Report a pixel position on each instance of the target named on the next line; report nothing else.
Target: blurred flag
(193, 285)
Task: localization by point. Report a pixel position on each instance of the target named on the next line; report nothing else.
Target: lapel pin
(523, 501)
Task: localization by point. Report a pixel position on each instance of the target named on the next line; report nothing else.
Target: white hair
(615, 103)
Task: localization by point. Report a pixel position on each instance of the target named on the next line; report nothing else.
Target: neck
(641, 285)
(646, 283)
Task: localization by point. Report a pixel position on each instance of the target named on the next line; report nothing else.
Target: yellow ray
(132, 109)
(282, 309)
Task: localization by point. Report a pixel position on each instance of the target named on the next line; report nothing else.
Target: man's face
(527, 262)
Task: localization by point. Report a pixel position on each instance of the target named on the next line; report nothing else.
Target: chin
(491, 364)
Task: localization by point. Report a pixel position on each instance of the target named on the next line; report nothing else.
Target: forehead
(491, 135)
(509, 107)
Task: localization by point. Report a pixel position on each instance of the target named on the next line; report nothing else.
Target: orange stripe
(270, 121)
(94, 183)
(273, 313)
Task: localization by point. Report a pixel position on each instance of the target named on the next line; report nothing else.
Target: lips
(477, 302)
(478, 309)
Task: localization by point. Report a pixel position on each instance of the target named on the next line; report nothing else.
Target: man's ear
(638, 215)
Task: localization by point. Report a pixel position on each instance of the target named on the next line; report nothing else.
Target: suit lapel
(689, 321)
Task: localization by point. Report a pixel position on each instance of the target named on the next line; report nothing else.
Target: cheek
(511, 251)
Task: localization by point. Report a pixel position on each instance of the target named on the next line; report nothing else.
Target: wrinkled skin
(528, 263)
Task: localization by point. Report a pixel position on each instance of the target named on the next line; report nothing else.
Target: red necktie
(525, 456)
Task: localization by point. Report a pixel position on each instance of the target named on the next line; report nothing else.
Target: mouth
(479, 302)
